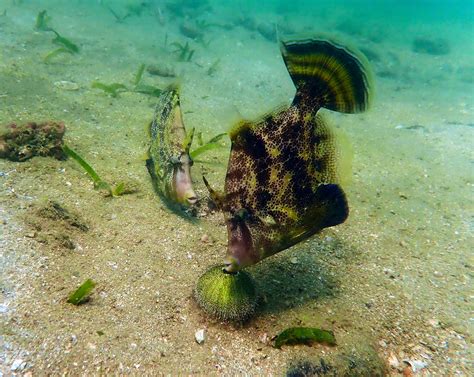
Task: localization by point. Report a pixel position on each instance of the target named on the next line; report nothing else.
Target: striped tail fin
(328, 75)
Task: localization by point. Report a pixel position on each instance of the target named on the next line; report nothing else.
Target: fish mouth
(192, 200)
(231, 265)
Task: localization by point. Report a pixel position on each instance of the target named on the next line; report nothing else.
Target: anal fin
(330, 207)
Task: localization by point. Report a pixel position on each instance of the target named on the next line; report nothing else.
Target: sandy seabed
(393, 282)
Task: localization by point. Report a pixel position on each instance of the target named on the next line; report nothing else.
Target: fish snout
(190, 197)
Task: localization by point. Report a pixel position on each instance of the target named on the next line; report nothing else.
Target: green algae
(58, 51)
(213, 68)
(81, 294)
(42, 20)
(183, 52)
(113, 89)
(139, 74)
(138, 87)
(114, 191)
(148, 89)
(304, 335)
(65, 43)
(204, 147)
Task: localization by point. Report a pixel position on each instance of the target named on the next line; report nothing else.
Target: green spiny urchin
(226, 296)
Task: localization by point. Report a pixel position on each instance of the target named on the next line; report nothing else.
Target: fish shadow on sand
(306, 272)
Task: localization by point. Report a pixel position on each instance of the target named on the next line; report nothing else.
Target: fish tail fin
(333, 153)
(328, 75)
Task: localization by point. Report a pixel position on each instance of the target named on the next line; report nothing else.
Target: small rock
(91, 346)
(416, 365)
(205, 238)
(200, 336)
(438, 274)
(294, 260)
(382, 343)
(433, 322)
(393, 361)
(263, 338)
(66, 85)
(18, 364)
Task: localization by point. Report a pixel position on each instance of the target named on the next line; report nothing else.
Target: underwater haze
(393, 282)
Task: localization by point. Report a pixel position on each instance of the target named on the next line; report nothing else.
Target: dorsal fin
(328, 75)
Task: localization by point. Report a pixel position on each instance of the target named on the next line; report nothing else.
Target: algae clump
(225, 296)
(304, 335)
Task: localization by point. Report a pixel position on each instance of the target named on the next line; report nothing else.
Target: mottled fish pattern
(281, 185)
(169, 163)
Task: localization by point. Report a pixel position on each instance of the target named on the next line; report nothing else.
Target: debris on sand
(200, 336)
(22, 142)
(431, 46)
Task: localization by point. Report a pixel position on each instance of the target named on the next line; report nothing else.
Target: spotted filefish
(282, 184)
(169, 161)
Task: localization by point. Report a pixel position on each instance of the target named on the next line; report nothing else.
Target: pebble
(66, 85)
(263, 338)
(393, 361)
(294, 260)
(91, 346)
(18, 364)
(416, 365)
(200, 336)
(205, 238)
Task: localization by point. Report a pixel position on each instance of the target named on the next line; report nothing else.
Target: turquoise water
(393, 282)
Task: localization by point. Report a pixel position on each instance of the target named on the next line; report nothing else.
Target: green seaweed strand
(42, 20)
(56, 52)
(211, 144)
(81, 294)
(98, 182)
(112, 89)
(64, 42)
(139, 74)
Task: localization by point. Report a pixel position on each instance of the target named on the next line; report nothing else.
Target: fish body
(281, 185)
(169, 163)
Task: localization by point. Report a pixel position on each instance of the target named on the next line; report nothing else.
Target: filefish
(169, 162)
(282, 184)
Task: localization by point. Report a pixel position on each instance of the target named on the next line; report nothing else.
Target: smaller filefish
(169, 161)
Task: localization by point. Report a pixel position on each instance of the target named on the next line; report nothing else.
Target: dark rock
(431, 46)
(308, 369)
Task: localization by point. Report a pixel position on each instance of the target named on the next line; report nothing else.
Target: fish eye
(175, 161)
